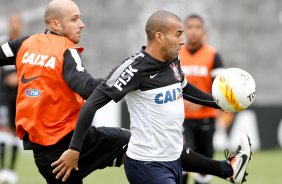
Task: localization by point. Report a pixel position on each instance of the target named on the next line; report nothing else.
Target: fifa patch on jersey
(168, 96)
(32, 92)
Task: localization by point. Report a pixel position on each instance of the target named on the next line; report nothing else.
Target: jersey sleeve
(195, 95)
(75, 75)
(85, 118)
(217, 66)
(9, 51)
(121, 80)
(182, 75)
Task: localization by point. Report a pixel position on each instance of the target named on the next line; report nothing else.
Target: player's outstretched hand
(65, 164)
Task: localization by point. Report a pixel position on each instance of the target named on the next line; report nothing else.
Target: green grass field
(265, 168)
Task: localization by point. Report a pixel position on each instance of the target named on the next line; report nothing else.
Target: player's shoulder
(135, 58)
(130, 66)
(18, 42)
(134, 61)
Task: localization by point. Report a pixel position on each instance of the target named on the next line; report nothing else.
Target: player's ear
(55, 24)
(159, 37)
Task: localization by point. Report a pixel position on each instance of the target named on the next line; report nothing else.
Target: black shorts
(198, 135)
(100, 148)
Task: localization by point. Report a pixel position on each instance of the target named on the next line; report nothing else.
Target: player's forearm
(9, 51)
(195, 95)
(91, 84)
(86, 115)
(85, 86)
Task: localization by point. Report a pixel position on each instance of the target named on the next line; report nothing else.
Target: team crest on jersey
(174, 67)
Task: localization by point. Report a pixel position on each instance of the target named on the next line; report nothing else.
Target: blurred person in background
(200, 63)
(8, 95)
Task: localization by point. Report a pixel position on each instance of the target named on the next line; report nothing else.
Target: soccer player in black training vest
(154, 85)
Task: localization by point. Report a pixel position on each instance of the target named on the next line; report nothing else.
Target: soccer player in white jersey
(154, 87)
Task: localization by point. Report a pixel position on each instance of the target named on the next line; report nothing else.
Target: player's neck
(194, 46)
(14, 36)
(154, 52)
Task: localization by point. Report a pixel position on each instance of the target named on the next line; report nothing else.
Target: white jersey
(153, 92)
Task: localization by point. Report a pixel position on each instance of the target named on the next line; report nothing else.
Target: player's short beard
(167, 55)
(65, 34)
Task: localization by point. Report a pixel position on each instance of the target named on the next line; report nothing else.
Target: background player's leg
(2, 154)
(15, 141)
(204, 143)
(15, 150)
(204, 138)
(3, 134)
(189, 142)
